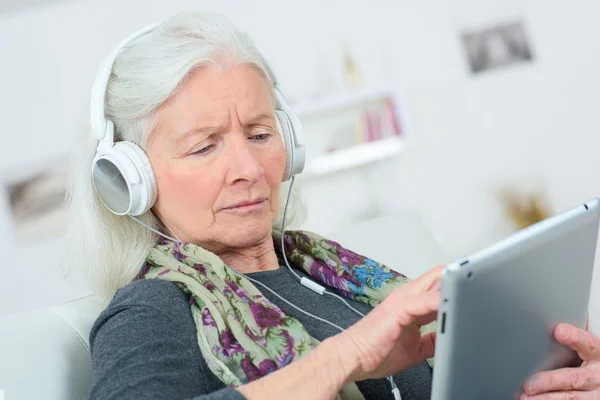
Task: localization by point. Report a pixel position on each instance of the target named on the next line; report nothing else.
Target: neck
(260, 257)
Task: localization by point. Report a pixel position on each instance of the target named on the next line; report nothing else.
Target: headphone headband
(97, 117)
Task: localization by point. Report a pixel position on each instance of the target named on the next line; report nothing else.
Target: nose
(244, 164)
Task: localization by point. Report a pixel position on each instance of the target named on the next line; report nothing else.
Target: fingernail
(533, 386)
(565, 332)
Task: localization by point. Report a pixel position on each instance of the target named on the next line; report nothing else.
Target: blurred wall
(527, 125)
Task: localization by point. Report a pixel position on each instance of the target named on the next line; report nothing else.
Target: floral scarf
(241, 334)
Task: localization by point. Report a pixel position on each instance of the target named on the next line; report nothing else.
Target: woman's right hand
(388, 339)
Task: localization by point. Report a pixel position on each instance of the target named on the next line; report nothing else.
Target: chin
(249, 232)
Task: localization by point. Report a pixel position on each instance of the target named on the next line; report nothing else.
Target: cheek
(184, 188)
(274, 168)
(275, 164)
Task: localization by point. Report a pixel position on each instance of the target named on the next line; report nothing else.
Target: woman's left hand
(570, 383)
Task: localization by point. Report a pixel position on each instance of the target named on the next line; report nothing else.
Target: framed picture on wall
(35, 197)
(497, 46)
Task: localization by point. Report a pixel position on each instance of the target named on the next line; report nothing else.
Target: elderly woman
(189, 150)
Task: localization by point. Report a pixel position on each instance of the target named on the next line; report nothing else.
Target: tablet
(499, 307)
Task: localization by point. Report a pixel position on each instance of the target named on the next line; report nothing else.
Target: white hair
(111, 249)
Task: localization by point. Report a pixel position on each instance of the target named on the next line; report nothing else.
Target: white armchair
(45, 354)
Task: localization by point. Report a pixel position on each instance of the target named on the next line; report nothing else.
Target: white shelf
(341, 100)
(352, 157)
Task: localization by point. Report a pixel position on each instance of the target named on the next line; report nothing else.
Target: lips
(246, 204)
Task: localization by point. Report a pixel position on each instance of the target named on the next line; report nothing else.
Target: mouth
(247, 206)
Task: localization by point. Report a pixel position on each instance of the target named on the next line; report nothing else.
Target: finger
(420, 309)
(572, 395)
(429, 281)
(587, 322)
(584, 343)
(427, 346)
(582, 378)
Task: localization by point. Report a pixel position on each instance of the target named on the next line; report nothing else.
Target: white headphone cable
(305, 281)
(154, 230)
(315, 287)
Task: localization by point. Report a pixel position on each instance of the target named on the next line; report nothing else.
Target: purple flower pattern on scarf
(250, 334)
(349, 257)
(267, 366)
(344, 274)
(265, 316)
(239, 291)
(201, 268)
(304, 237)
(179, 256)
(207, 318)
(145, 269)
(288, 354)
(230, 344)
(253, 373)
(323, 273)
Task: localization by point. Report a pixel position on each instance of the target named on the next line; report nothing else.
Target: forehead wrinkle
(209, 130)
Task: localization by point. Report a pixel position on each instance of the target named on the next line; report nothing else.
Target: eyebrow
(200, 131)
(260, 117)
(216, 128)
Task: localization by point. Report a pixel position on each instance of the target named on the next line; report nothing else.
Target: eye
(203, 150)
(261, 137)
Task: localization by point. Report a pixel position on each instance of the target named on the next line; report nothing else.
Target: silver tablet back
(499, 307)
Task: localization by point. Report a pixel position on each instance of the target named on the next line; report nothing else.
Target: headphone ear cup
(148, 190)
(110, 184)
(123, 178)
(291, 131)
(284, 127)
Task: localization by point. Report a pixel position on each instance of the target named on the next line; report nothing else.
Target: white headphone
(121, 171)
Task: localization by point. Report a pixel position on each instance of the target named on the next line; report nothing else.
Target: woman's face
(218, 159)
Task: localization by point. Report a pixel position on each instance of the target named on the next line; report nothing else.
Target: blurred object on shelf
(352, 76)
(525, 209)
(379, 121)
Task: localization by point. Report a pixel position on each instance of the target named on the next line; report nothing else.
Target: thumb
(427, 346)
